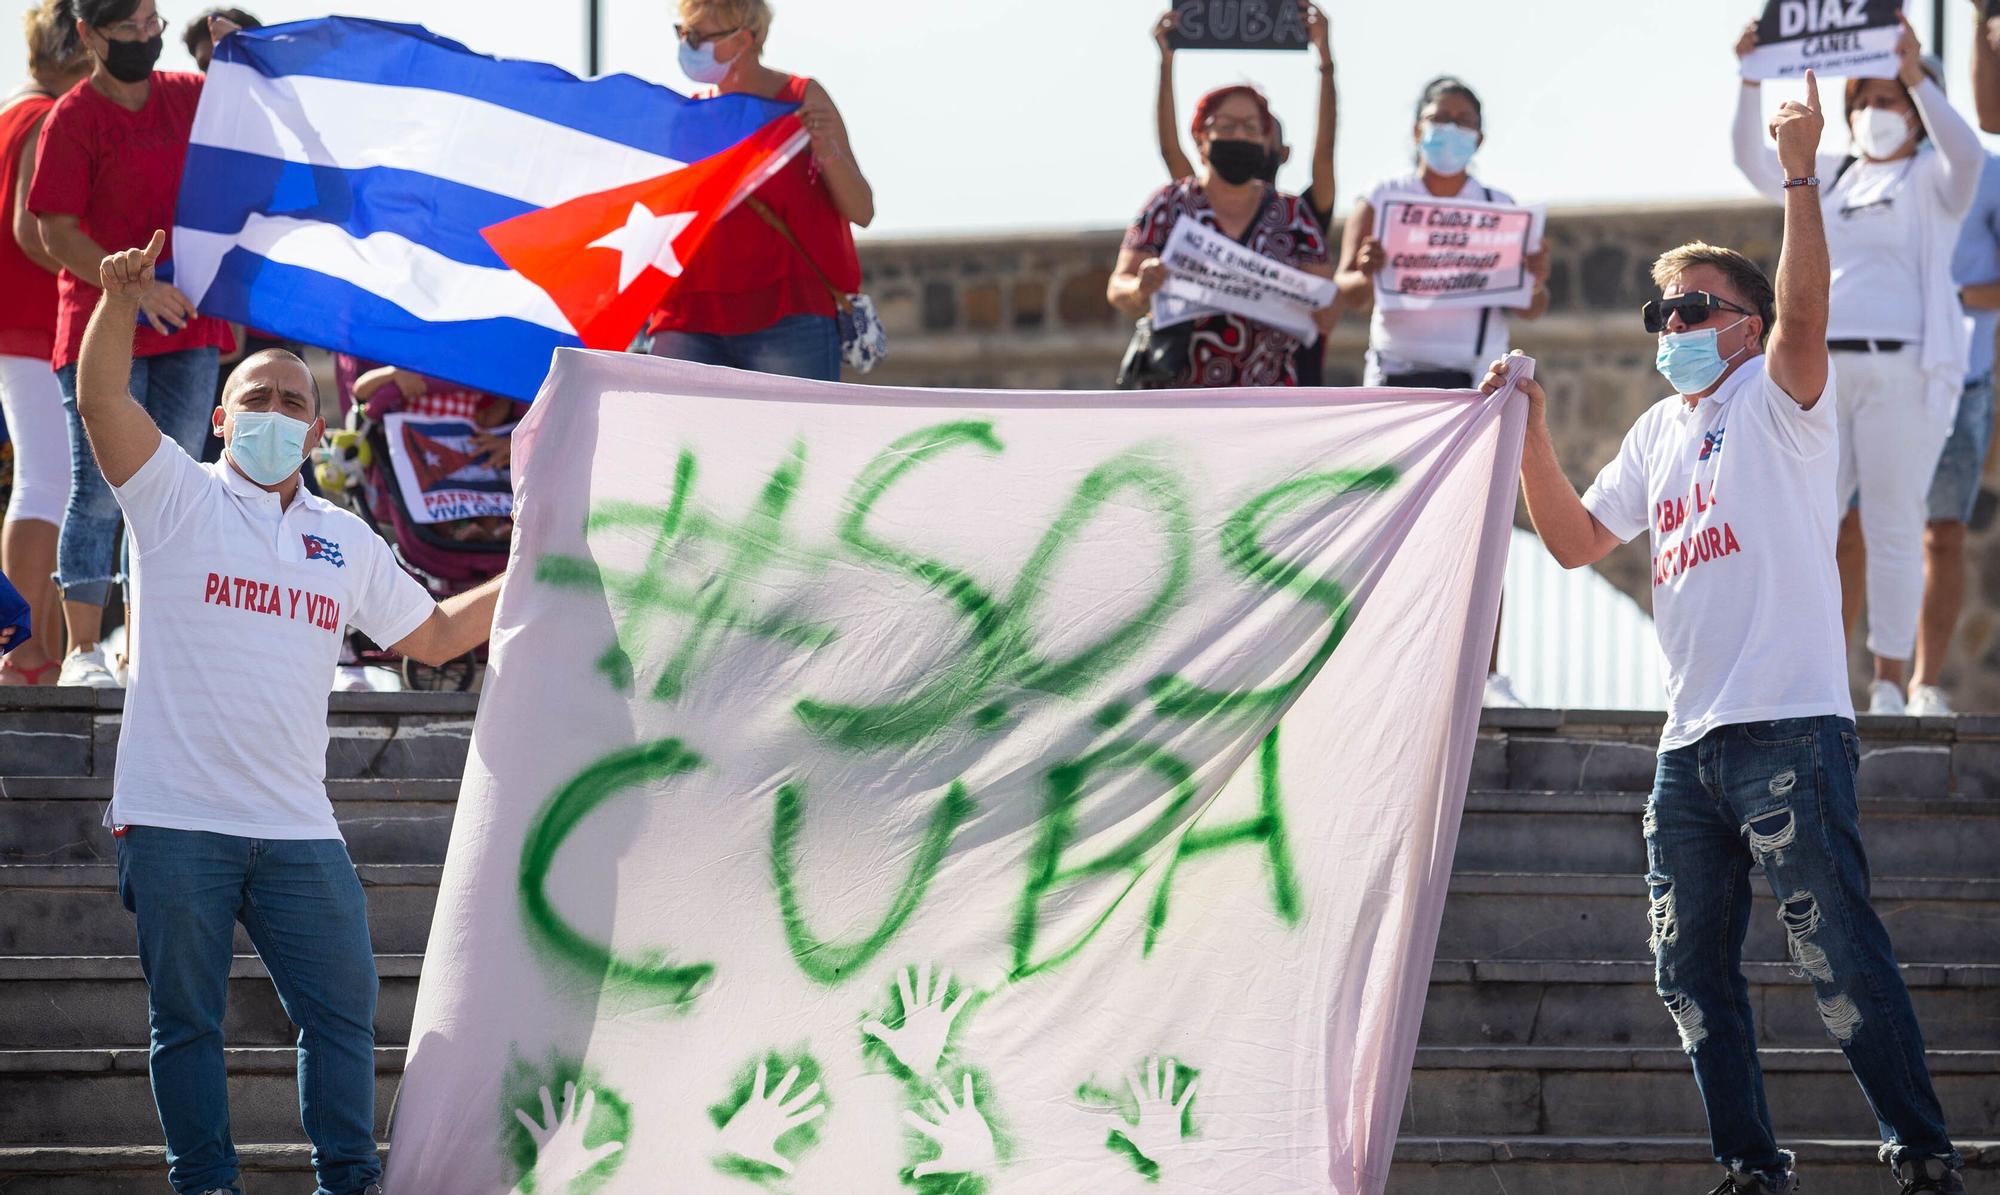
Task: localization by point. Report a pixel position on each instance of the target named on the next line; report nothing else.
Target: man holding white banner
(1758, 759)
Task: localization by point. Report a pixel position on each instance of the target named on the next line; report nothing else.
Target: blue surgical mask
(268, 447)
(700, 65)
(1690, 361)
(1448, 148)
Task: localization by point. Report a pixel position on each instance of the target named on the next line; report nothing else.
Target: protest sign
(1208, 273)
(442, 473)
(899, 792)
(1238, 25)
(1850, 38)
(1455, 252)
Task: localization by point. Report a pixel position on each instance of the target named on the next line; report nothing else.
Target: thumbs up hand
(1796, 128)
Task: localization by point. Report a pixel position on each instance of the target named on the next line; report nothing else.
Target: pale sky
(979, 115)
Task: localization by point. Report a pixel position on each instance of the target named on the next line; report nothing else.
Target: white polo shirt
(1739, 496)
(239, 604)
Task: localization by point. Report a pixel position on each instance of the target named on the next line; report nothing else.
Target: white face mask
(701, 66)
(1880, 133)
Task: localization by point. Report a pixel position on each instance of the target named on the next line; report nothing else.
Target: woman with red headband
(1231, 128)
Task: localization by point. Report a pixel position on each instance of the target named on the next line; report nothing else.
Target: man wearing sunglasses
(1733, 476)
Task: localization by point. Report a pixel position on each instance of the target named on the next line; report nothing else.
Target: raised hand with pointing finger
(128, 276)
(1796, 128)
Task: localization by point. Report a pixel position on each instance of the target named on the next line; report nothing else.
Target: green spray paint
(710, 604)
(1267, 828)
(831, 962)
(1000, 649)
(1118, 1098)
(896, 1014)
(794, 1144)
(1066, 785)
(652, 763)
(522, 1089)
(1244, 551)
(919, 1148)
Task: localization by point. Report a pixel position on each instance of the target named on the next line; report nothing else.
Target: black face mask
(1269, 170)
(132, 61)
(1237, 162)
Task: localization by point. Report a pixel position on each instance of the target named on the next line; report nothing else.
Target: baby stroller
(357, 468)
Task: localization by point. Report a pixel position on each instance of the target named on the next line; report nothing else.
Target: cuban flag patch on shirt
(1711, 443)
(323, 549)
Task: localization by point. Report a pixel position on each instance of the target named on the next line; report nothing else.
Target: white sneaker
(87, 668)
(1927, 701)
(1500, 693)
(1886, 697)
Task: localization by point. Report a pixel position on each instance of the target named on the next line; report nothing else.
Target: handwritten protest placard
(1457, 252)
(1208, 273)
(1851, 38)
(1238, 25)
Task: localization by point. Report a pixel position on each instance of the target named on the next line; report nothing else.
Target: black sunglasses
(1694, 307)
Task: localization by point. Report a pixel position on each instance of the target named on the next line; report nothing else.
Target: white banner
(882, 791)
(443, 470)
(1853, 39)
(1208, 273)
(1455, 252)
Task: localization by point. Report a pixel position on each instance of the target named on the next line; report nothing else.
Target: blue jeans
(302, 905)
(798, 346)
(1955, 485)
(178, 391)
(1781, 794)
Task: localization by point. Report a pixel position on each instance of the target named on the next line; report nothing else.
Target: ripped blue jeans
(1781, 794)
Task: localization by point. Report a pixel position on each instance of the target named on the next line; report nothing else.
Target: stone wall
(1028, 311)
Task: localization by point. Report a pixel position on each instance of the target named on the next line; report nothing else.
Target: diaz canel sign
(1854, 38)
(884, 791)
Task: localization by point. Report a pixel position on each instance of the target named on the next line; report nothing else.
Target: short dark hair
(1445, 85)
(1743, 274)
(195, 34)
(276, 354)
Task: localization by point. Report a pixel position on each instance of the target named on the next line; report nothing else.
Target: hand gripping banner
(881, 791)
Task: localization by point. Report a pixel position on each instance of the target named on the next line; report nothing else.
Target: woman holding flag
(764, 292)
(107, 174)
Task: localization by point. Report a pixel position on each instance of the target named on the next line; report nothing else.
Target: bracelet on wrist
(1807, 181)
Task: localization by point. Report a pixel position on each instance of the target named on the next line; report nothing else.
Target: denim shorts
(1955, 487)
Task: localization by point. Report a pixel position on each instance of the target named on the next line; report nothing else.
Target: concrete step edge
(1411, 1149)
(1567, 1059)
(1623, 802)
(38, 968)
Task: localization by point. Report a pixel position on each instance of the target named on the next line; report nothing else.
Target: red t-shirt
(120, 173)
(746, 276)
(27, 291)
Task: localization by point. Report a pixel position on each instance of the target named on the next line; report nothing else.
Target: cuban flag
(374, 188)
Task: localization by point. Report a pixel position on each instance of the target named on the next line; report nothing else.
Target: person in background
(752, 298)
(1310, 362)
(201, 45)
(108, 172)
(1986, 64)
(1231, 129)
(1955, 486)
(1436, 347)
(28, 391)
(1897, 331)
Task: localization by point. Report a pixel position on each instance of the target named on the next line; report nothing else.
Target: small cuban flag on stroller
(371, 187)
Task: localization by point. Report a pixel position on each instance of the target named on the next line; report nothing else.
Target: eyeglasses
(695, 38)
(1693, 307)
(138, 29)
(1249, 130)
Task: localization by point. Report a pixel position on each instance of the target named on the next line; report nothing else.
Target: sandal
(29, 676)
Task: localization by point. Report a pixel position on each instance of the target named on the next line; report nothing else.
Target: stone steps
(1455, 1090)
(1425, 1165)
(1544, 1050)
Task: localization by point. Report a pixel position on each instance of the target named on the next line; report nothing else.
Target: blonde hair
(1743, 274)
(754, 15)
(53, 46)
